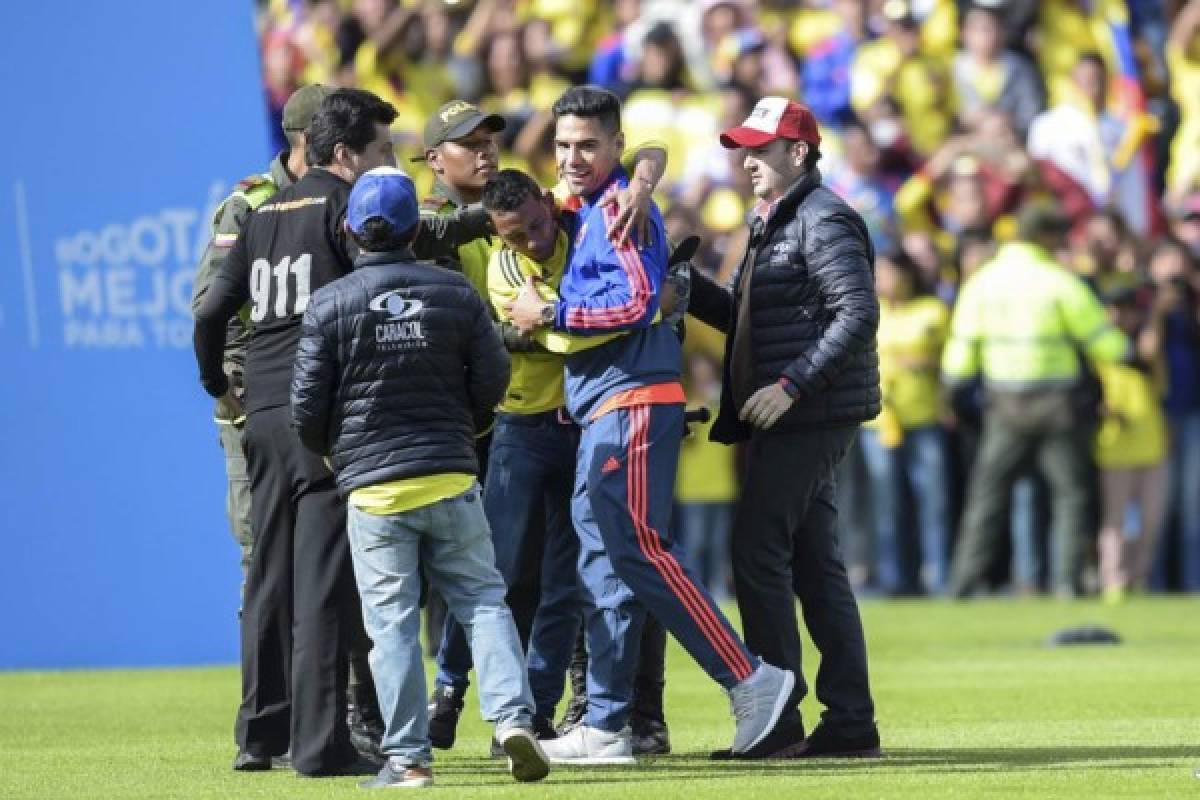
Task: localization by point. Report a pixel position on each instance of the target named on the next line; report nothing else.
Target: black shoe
(356, 766)
(650, 737)
(445, 705)
(282, 762)
(786, 740)
(251, 762)
(366, 731)
(828, 743)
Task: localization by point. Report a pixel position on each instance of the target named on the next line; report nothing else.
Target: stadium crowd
(942, 120)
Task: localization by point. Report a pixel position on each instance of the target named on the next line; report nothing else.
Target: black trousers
(301, 608)
(785, 545)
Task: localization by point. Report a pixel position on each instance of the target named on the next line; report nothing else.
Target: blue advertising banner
(124, 123)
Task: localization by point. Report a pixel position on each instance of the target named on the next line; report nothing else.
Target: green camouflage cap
(1041, 217)
(457, 119)
(302, 105)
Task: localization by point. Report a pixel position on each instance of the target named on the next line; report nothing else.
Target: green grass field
(971, 702)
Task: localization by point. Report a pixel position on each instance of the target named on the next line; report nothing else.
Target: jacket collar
(447, 194)
(786, 204)
(281, 176)
(369, 259)
(616, 179)
(322, 174)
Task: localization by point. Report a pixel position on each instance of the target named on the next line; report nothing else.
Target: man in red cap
(801, 373)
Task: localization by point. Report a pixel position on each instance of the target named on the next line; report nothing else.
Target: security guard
(1027, 326)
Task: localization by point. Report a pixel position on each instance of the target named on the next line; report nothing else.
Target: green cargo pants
(237, 495)
(1065, 460)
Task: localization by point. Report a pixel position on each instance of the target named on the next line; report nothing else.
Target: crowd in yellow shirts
(942, 120)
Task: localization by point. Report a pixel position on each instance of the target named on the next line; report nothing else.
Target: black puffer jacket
(397, 368)
(813, 313)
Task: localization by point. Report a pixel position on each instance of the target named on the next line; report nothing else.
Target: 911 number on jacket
(271, 286)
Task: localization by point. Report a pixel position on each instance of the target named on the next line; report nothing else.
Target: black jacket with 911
(397, 368)
(813, 313)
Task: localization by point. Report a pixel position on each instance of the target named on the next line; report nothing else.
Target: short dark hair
(378, 235)
(592, 102)
(508, 190)
(812, 156)
(347, 116)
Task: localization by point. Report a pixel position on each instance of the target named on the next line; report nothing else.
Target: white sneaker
(758, 703)
(589, 746)
(526, 760)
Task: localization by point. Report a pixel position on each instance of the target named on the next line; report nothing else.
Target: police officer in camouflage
(286, 168)
(250, 192)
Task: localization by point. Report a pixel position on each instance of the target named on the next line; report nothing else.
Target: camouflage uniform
(227, 223)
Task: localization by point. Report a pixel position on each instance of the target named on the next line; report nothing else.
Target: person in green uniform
(227, 222)
(1028, 327)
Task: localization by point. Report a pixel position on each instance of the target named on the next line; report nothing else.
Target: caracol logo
(396, 305)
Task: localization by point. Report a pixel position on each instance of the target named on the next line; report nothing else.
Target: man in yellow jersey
(533, 458)
(532, 461)
(397, 368)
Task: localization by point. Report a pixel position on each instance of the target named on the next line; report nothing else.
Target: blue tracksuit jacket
(607, 289)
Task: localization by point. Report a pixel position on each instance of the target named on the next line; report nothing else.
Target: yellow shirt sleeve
(629, 159)
(507, 273)
(911, 204)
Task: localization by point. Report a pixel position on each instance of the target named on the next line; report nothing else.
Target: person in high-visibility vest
(1025, 324)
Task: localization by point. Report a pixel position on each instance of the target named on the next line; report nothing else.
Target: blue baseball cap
(384, 192)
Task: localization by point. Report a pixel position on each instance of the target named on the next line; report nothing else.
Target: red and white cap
(774, 118)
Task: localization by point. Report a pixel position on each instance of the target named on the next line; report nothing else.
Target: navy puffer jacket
(398, 367)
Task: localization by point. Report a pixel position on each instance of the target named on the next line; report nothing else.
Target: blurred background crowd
(941, 120)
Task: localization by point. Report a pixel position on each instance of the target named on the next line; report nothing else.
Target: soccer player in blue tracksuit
(626, 397)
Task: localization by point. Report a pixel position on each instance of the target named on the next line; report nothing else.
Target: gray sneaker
(587, 746)
(757, 704)
(526, 760)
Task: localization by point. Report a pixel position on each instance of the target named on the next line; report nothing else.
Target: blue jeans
(451, 541)
(1183, 504)
(909, 483)
(527, 500)
(704, 530)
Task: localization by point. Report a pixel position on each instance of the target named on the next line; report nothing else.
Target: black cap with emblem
(457, 119)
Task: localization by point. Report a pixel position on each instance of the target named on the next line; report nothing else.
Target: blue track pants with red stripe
(628, 562)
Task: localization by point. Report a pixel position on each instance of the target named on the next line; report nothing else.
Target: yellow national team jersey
(537, 378)
(473, 256)
(707, 471)
(910, 340)
(1134, 431)
(395, 497)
